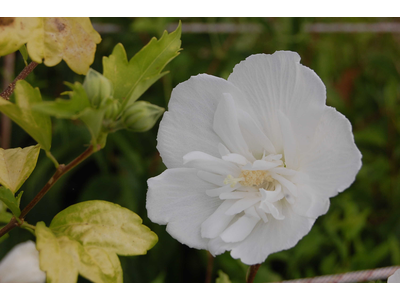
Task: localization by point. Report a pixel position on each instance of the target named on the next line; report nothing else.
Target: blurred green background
(358, 59)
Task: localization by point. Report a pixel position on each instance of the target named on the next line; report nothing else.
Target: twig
(252, 273)
(9, 66)
(61, 170)
(6, 94)
(358, 276)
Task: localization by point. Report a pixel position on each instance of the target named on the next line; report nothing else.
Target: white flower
(21, 264)
(394, 278)
(252, 160)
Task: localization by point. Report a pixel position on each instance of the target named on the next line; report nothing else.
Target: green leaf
(106, 225)
(16, 165)
(78, 106)
(8, 199)
(36, 124)
(66, 109)
(5, 216)
(131, 79)
(222, 277)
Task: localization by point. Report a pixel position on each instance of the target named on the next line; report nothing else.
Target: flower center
(256, 178)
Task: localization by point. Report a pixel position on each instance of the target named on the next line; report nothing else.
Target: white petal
(187, 126)
(289, 142)
(217, 222)
(273, 236)
(395, 278)
(263, 165)
(21, 264)
(209, 163)
(177, 198)
(332, 160)
(308, 204)
(211, 178)
(239, 195)
(239, 230)
(217, 246)
(226, 125)
(286, 183)
(279, 82)
(218, 191)
(241, 205)
(235, 158)
(255, 138)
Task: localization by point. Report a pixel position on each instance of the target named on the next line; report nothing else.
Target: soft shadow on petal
(279, 82)
(273, 236)
(332, 160)
(178, 198)
(187, 126)
(21, 265)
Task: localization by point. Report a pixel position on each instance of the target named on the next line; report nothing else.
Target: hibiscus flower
(21, 264)
(252, 160)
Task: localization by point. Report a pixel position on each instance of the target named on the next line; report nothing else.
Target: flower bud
(112, 111)
(98, 88)
(141, 116)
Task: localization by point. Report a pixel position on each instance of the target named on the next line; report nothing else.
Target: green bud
(112, 111)
(98, 88)
(141, 116)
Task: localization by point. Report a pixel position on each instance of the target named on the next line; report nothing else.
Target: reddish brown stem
(61, 170)
(6, 94)
(210, 265)
(252, 273)
(9, 66)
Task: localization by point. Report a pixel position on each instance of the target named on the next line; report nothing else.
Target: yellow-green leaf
(36, 124)
(16, 165)
(222, 277)
(55, 256)
(95, 264)
(105, 225)
(132, 78)
(52, 39)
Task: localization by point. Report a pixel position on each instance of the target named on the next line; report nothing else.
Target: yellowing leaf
(14, 32)
(105, 225)
(16, 165)
(55, 259)
(132, 78)
(36, 124)
(62, 258)
(51, 40)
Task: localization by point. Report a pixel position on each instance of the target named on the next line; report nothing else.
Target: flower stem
(6, 94)
(252, 273)
(210, 265)
(61, 170)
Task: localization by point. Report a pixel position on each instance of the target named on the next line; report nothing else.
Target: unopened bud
(112, 111)
(98, 88)
(141, 116)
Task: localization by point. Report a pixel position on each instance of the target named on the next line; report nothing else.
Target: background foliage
(362, 74)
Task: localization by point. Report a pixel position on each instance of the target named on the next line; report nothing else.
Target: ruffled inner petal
(240, 229)
(218, 221)
(255, 138)
(209, 163)
(226, 125)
